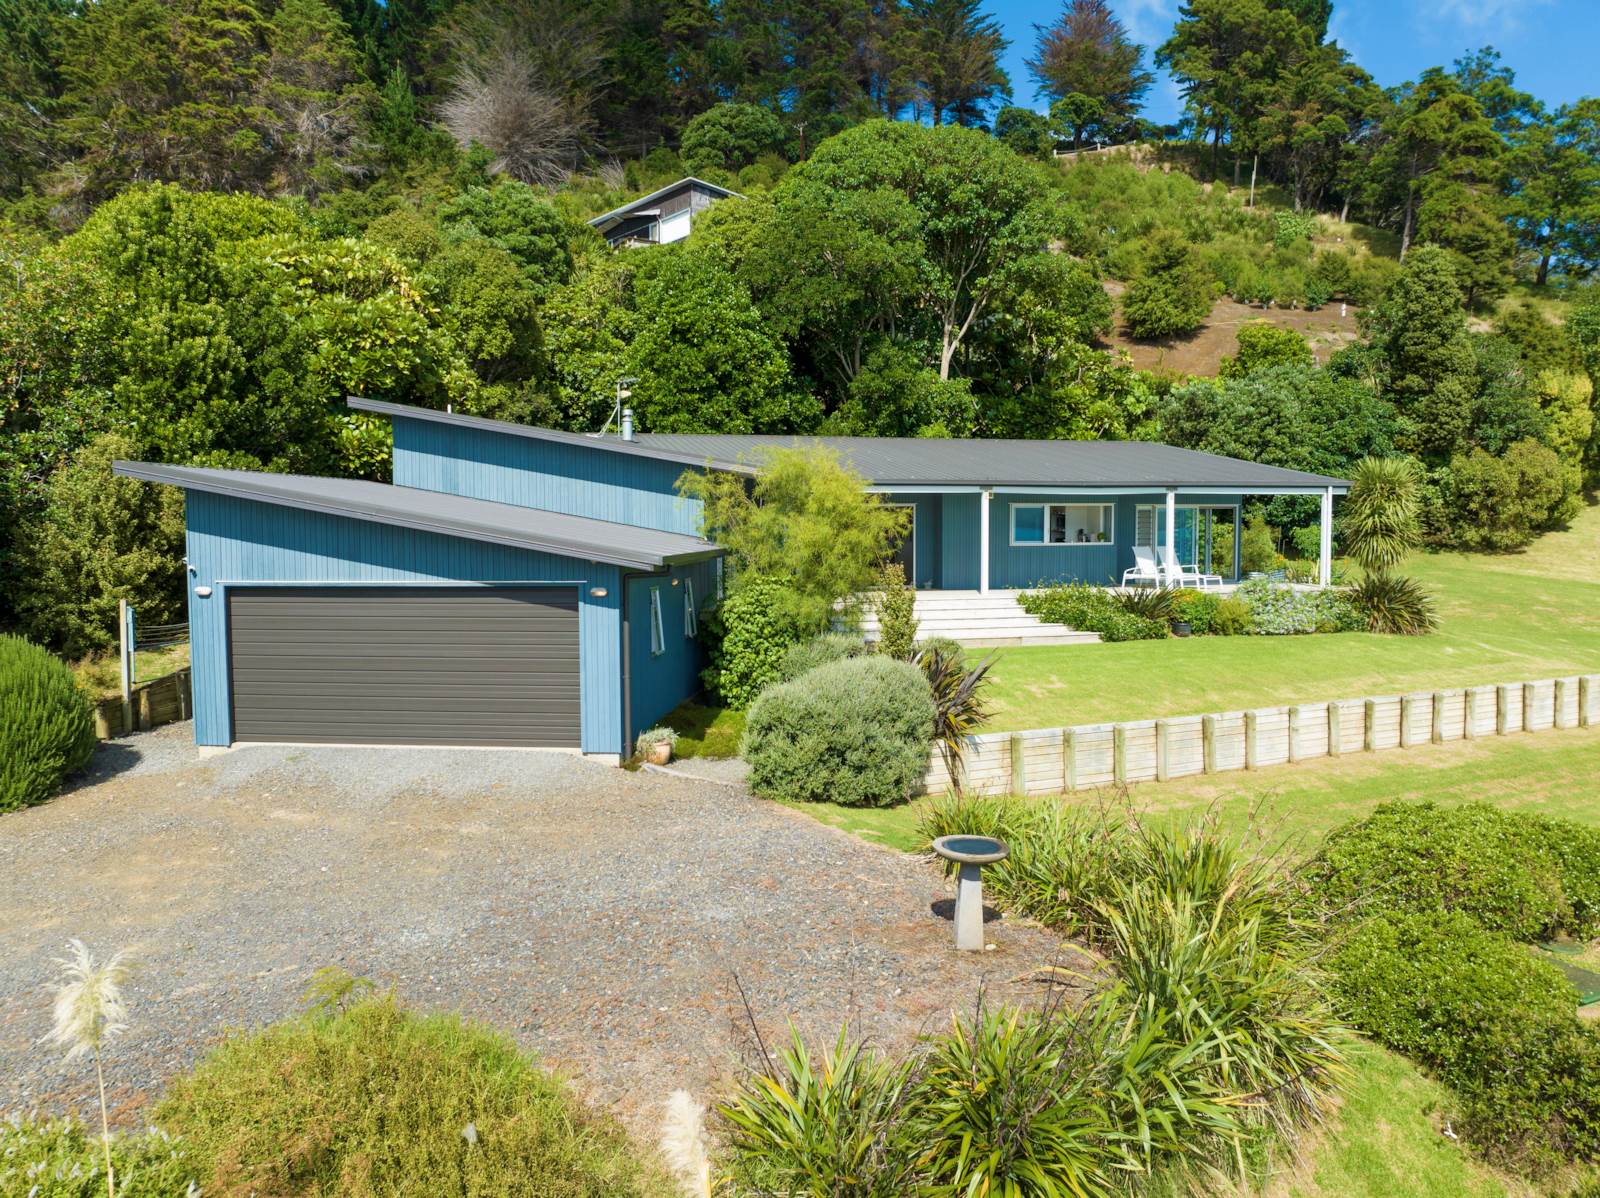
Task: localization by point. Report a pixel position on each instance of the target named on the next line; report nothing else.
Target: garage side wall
(241, 542)
(659, 681)
(602, 484)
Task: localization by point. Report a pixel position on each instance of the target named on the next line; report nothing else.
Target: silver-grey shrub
(855, 732)
(819, 651)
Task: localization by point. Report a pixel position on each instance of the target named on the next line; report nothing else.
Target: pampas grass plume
(683, 1143)
(88, 1005)
(88, 1012)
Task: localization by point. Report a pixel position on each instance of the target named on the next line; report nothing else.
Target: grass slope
(1384, 1142)
(1503, 618)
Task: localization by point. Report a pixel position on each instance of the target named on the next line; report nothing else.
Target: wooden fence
(1051, 760)
(159, 701)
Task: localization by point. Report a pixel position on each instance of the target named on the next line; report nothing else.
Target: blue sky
(1551, 44)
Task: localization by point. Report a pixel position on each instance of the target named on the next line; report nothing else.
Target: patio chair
(1144, 568)
(1180, 575)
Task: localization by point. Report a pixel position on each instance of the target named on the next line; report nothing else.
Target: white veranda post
(1172, 526)
(1325, 549)
(984, 499)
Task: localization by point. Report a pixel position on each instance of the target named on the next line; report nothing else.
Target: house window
(658, 638)
(1062, 524)
(691, 618)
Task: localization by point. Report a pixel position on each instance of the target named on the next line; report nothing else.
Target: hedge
(1519, 875)
(1495, 1024)
(46, 724)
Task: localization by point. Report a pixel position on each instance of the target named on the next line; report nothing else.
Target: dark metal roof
(533, 432)
(980, 462)
(434, 511)
(633, 206)
(933, 461)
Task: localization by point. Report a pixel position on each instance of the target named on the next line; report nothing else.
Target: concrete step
(981, 621)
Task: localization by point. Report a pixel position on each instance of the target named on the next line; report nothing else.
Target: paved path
(598, 916)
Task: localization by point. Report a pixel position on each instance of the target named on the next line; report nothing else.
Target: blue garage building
(524, 586)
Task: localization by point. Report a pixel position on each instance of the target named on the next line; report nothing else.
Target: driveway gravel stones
(598, 916)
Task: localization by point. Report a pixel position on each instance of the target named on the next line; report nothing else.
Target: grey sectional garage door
(389, 665)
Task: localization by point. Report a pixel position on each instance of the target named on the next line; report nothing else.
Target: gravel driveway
(598, 916)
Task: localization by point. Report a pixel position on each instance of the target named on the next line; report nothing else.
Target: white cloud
(1504, 14)
(1149, 22)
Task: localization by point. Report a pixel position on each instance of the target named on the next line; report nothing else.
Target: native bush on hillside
(46, 724)
(1263, 345)
(1501, 503)
(96, 539)
(1174, 294)
(726, 137)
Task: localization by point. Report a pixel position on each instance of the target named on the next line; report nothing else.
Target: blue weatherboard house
(521, 586)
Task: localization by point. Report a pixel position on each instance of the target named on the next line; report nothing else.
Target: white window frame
(658, 636)
(1158, 513)
(691, 617)
(1110, 523)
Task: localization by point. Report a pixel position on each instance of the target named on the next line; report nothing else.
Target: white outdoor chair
(1180, 575)
(1144, 568)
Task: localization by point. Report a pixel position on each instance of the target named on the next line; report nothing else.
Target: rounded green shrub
(819, 651)
(46, 724)
(854, 732)
(1420, 858)
(1494, 1023)
(749, 633)
(948, 646)
(378, 1100)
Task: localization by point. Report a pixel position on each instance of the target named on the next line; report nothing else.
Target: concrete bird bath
(972, 853)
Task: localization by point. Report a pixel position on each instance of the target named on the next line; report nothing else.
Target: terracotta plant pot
(660, 752)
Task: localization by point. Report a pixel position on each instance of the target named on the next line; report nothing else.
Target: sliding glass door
(1202, 536)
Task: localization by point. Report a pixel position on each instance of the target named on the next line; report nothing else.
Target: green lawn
(1554, 773)
(705, 731)
(1384, 1141)
(1502, 619)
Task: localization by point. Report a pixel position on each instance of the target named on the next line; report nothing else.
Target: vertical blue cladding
(602, 484)
(240, 542)
(658, 682)
(959, 546)
(1024, 565)
(926, 536)
(1013, 566)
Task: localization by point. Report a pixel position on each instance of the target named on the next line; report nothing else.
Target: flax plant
(89, 1012)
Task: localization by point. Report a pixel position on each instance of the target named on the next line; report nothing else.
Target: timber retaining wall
(1051, 760)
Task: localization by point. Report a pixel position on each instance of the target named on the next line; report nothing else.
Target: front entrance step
(981, 621)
